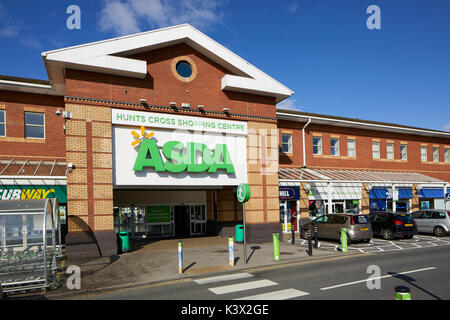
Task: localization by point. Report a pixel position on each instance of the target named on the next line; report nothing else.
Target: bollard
(316, 234)
(180, 257)
(310, 253)
(344, 240)
(402, 293)
(293, 233)
(276, 246)
(231, 252)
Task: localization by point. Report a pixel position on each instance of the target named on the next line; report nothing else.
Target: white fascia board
(27, 87)
(112, 65)
(236, 83)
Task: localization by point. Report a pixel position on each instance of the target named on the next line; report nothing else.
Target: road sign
(243, 192)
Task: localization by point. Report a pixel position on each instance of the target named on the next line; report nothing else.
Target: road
(424, 271)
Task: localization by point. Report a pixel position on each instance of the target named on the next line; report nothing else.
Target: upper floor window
(447, 155)
(351, 148)
(286, 143)
(34, 125)
(375, 150)
(335, 147)
(317, 145)
(404, 152)
(424, 153)
(390, 151)
(435, 154)
(2, 123)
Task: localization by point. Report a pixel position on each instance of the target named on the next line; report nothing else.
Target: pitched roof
(110, 57)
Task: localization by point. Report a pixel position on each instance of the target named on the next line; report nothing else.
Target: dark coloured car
(329, 227)
(390, 225)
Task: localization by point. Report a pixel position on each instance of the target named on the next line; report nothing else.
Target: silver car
(329, 227)
(436, 222)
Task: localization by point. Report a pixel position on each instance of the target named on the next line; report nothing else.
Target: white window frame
(447, 155)
(375, 153)
(337, 147)
(424, 155)
(390, 153)
(351, 150)
(319, 146)
(4, 122)
(404, 156)
(34, 125)
(434, 152)
(289, 143)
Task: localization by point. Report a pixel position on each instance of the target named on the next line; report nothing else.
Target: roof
(300, 116)
(110, 57)
(14, 168)
(357, 176)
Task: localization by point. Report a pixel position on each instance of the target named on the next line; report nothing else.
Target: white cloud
(292, 8)
(289, 104)
(9, 31)
(447, 127)
(130, 16)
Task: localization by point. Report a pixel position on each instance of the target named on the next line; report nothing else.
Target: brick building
(151, 133)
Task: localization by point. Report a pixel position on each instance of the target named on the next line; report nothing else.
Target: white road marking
(382, 277)
(223, 278)
(243, 286)
(277, 295)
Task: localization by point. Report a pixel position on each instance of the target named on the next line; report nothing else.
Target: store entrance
(182, 220)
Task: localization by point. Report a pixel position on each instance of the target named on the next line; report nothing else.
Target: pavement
(156, 261)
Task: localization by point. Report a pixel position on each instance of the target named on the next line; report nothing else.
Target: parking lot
(381, 245)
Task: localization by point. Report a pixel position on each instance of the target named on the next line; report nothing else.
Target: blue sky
(321, 49)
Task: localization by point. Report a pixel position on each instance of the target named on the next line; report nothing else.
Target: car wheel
(387, 234)
(305, 234)
(439, 232)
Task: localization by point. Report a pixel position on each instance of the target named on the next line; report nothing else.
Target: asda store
(167, 170)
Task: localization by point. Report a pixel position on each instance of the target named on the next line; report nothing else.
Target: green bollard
(276, 246)
(344, 240)
(402, 293)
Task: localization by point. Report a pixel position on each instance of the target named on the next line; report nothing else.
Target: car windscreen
(364, 219)
(403, 218)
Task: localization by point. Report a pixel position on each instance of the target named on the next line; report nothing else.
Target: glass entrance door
(198, 219)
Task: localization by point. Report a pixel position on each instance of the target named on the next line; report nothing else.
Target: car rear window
(404, 218)
(361, 219)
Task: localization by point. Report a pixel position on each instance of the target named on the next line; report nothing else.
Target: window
(403, 152)
(286, 143)
(184, 69)
(317, 145)
(34, 125)
(351, 148)
(375, 150)
(2, 123)
(423, 154)
(334, 146)
(390, 151)
(447, 155)
(435, 154)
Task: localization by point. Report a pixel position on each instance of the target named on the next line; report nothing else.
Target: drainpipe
(304, 148)
(445, 199)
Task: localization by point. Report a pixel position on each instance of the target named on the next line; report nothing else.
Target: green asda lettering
(181, 158)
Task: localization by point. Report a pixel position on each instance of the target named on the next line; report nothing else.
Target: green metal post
(276, 246)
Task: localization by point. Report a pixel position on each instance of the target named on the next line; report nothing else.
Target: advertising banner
(157, 214)
(33, 192)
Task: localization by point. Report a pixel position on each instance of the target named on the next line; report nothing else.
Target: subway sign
(33, 192)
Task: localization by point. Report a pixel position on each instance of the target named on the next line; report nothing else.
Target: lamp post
(243, 195)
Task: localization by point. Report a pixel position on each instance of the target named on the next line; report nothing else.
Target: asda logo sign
(177, 157)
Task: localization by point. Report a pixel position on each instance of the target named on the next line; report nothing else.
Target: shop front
(431, 198)
(289, 207)
(383, 199)
(167, 167)
(345, 198)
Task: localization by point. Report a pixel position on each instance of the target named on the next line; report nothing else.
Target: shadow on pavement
(410, 281)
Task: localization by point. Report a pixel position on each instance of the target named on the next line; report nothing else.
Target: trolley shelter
(30, 244)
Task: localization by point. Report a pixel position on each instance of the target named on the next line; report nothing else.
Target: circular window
(184, 69)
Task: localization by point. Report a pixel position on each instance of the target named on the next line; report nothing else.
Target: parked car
(390, 225)
(436, 222)
(329, 227)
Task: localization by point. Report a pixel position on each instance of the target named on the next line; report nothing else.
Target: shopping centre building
(151, 133)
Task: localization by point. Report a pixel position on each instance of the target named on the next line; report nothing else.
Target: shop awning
(431, 193)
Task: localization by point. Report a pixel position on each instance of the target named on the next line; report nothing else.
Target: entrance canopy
(296, 175)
